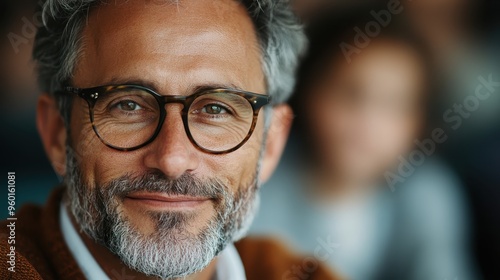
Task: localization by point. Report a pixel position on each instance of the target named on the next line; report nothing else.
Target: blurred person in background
(358, 116)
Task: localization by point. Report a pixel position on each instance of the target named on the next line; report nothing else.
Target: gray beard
(170, 252)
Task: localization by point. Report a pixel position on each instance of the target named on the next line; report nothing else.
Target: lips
(164, 201)
(166, 198)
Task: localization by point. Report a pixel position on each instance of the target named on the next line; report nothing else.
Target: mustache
(186, 185)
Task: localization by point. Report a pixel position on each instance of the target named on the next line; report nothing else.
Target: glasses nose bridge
(179, 99)
(176, 99)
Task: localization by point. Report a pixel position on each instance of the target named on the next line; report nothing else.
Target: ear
(276, 140)
(52, 131)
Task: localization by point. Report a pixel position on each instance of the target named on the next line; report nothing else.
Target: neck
(116, 269)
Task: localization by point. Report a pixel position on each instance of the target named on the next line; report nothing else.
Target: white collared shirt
(229, 265)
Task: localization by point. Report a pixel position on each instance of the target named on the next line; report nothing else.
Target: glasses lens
(126, 117)
(220, 121)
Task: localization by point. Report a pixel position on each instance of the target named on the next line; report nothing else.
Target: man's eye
(213, 109)
(128, 105)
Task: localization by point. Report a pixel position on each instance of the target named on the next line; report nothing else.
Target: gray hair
(58, 44)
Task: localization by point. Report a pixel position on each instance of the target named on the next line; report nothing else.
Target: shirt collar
(229, 265)
(82, 255)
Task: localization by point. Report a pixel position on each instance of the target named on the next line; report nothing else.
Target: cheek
(331, 125)
(238, 169)
(97, 162)
(399, 139)
(82, 137)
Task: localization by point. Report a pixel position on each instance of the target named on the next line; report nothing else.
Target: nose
(172, 152)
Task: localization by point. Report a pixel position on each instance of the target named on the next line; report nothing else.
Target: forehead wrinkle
(215, 39)
(204, 27)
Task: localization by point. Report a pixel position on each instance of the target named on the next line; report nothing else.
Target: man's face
(167, 193)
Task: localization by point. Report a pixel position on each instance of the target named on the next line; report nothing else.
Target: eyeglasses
(129, 117)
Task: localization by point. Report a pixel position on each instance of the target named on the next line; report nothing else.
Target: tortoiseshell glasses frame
(126, 118)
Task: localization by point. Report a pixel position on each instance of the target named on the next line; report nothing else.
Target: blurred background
(22, 151)
(394, 155)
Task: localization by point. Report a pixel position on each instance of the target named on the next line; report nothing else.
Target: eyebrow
(154, 86)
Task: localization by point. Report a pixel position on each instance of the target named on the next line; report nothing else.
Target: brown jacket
(41, 252)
